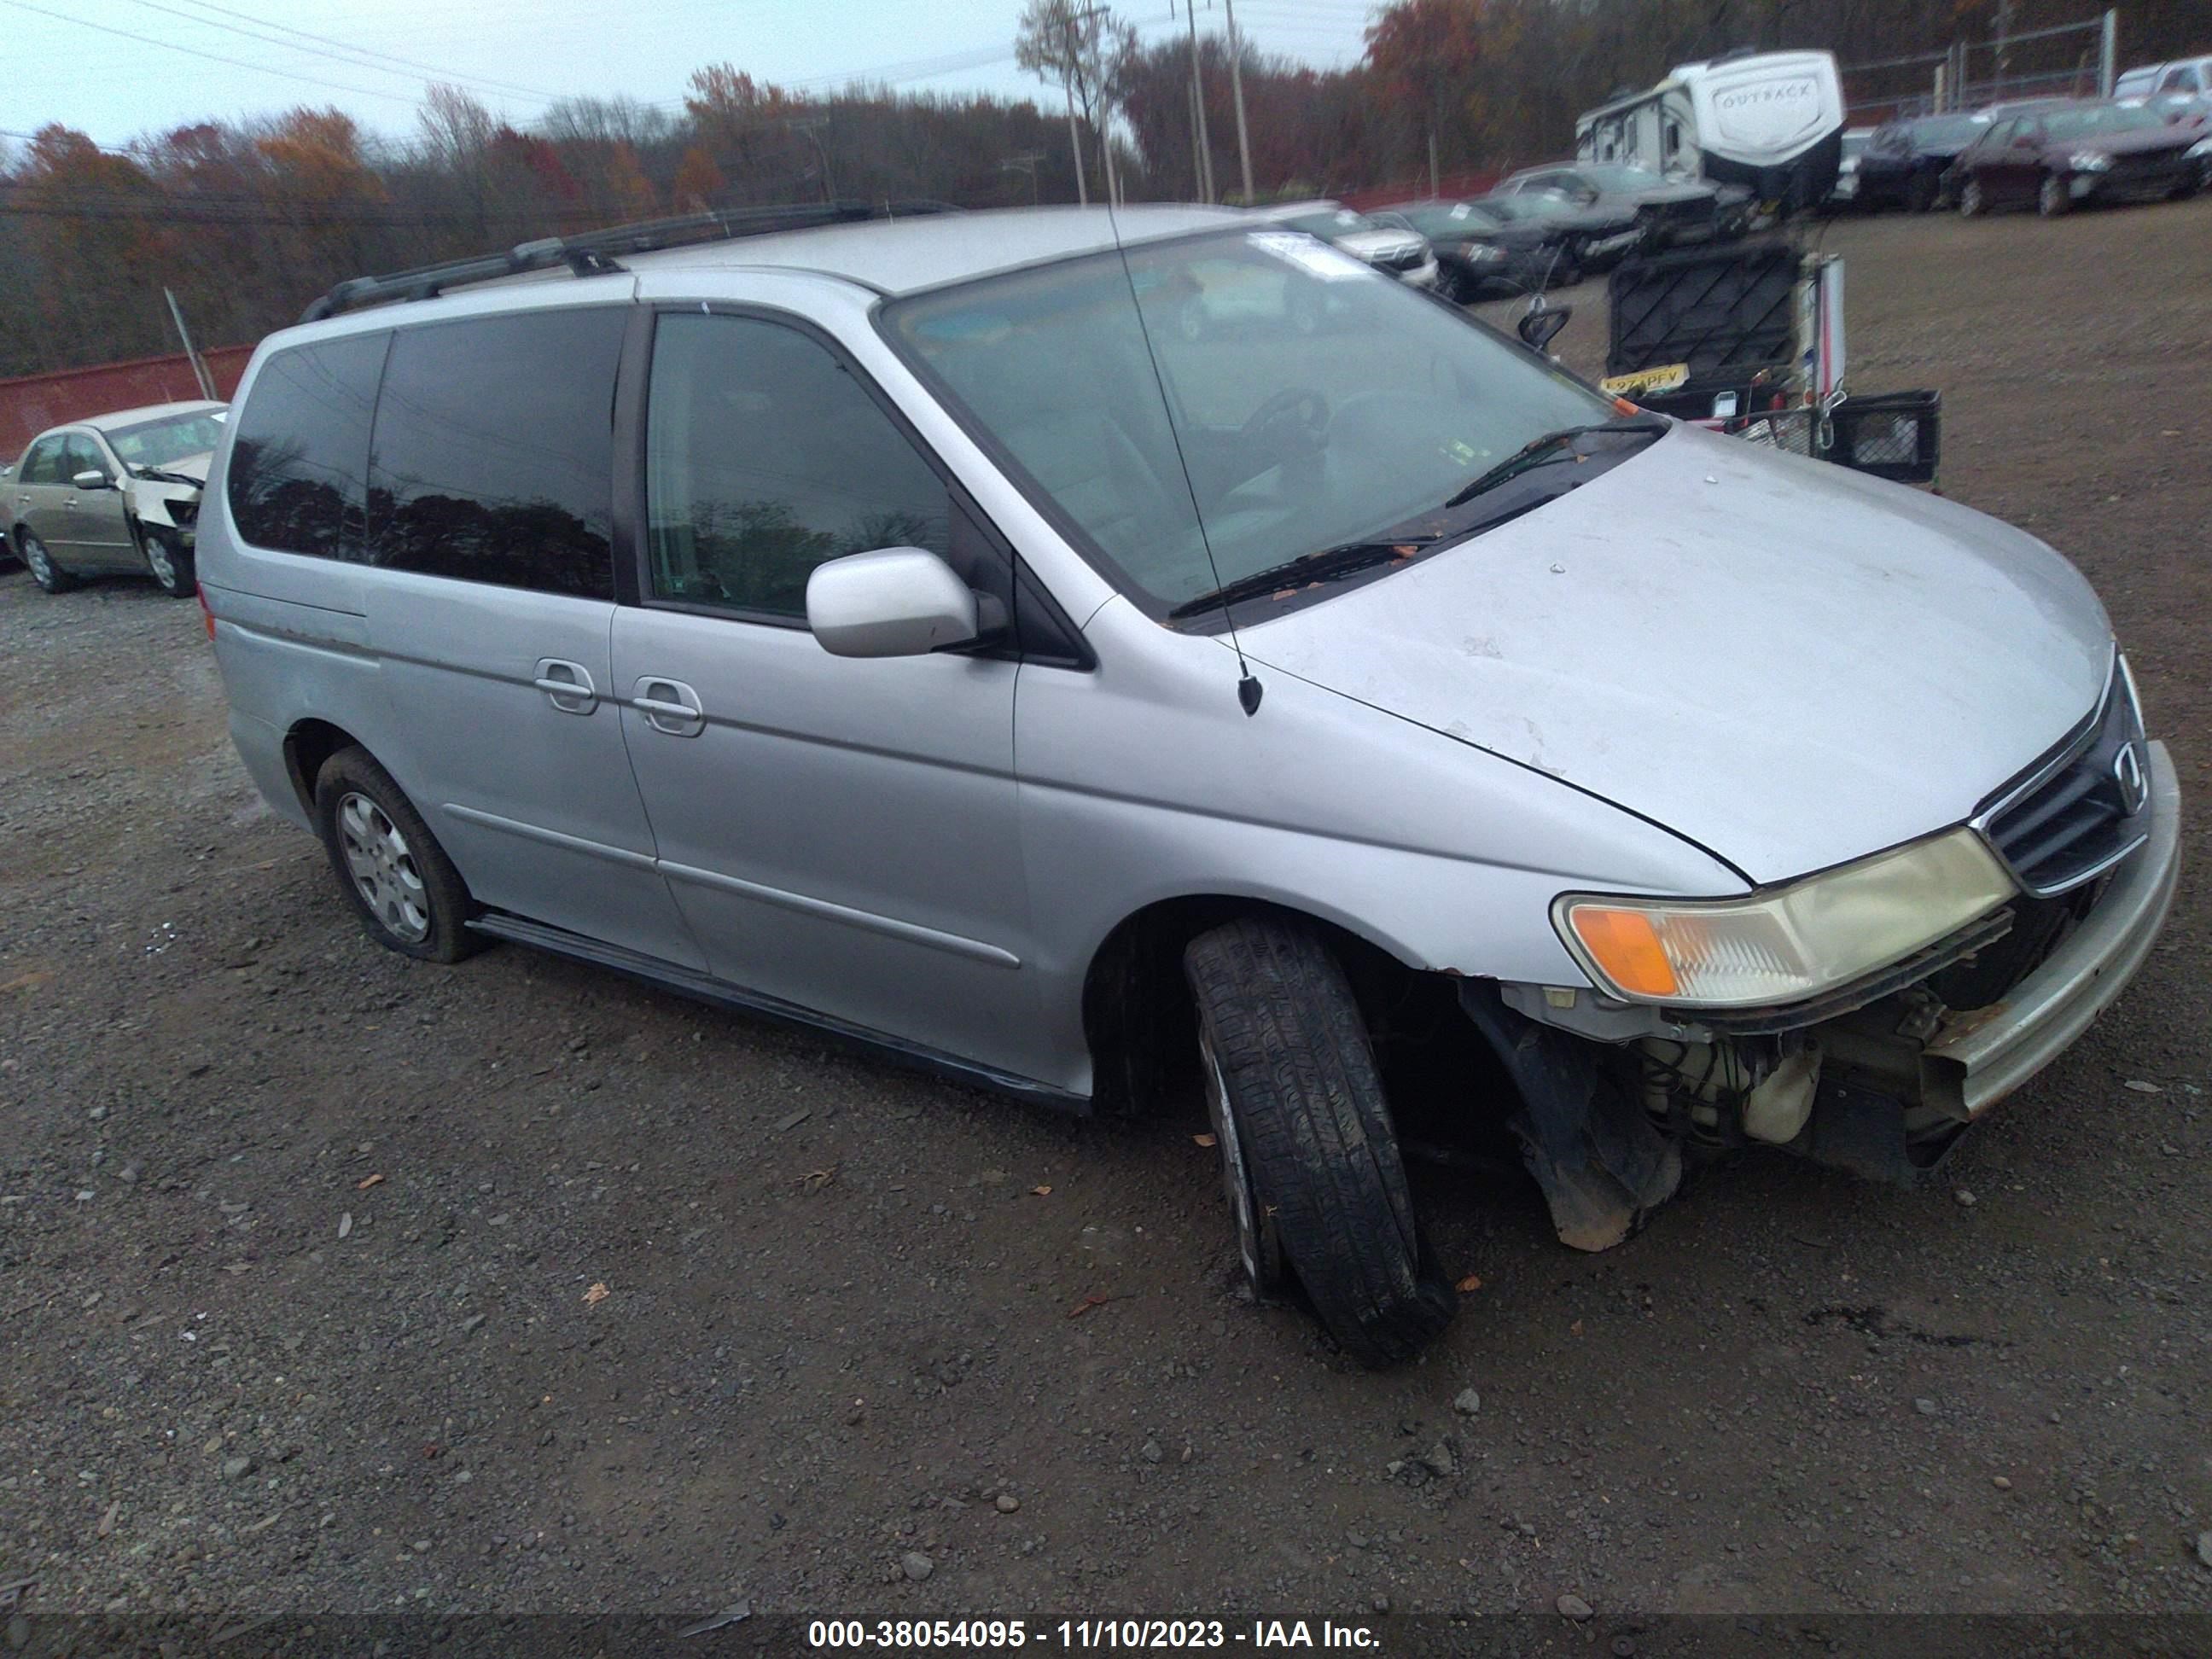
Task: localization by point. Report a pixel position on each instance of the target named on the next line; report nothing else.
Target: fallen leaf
(1039, 1192)
(1090, 1301)
(815, 1180)
(107, 1520)
(26, 981)
(1471, 1283)
(367, 1181)
(596, 1293)
(1574, 1330)
(1206, 1141)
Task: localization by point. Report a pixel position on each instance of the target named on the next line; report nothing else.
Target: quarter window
(299, 463)
(765, 458)
(493, 454)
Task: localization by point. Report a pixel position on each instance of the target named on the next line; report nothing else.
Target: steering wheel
(1295, 419)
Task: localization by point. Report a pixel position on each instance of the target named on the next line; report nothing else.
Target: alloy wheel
(383, 869)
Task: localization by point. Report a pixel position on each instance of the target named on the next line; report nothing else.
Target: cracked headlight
(1787, 944)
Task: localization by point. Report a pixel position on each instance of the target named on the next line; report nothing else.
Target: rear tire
(2052, 200)
(402, 884)
(50, 576)
(1307, 1135)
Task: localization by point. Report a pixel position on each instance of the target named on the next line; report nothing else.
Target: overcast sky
(69, 61)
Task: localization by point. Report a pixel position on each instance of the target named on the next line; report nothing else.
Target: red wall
(1452, 187)
(31, 404)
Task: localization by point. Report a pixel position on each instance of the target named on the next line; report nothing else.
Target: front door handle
(669, 706)
(567, 686)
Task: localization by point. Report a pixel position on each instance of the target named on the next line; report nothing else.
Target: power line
(212, 57)
(410, 63)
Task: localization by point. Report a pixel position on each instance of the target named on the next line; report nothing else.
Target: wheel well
(1138, 1015)
(307, 746)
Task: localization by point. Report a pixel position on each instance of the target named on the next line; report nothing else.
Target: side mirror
(896, 602)
(91, 478)
(1539, 328)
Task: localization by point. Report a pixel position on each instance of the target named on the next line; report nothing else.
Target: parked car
(2084, 152)
(1669, 211)
(2180, 90)
(1906, 162)
(1402, 253)
(119, 493)
(1514, 244)
(903, 628)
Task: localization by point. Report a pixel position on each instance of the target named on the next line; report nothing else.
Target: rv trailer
(1773, 122)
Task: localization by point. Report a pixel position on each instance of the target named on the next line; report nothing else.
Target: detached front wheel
(1310, 1156)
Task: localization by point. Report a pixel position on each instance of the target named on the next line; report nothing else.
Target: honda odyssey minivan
(909, 629)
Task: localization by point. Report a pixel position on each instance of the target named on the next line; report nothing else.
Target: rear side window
(494, 452)
(298, 464)
(43, 465)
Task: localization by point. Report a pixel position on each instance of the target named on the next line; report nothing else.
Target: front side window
(765, 458)
(493, 453)
(82, 455)
(1315, 402)
(300, 464)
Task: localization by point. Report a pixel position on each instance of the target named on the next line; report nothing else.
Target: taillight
(206, 615)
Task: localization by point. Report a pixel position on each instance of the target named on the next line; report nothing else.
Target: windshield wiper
(1551, 447)
(1330, 564)
(155, 472)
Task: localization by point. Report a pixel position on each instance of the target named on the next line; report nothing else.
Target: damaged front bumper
(1882, 1087)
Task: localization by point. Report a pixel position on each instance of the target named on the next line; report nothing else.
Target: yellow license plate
(1666, 378)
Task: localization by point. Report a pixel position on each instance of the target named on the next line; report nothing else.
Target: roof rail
(593, 253)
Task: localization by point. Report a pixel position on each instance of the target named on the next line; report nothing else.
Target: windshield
(1621, 178)
(163, 443)
(1529, 204)
(1336, 222)
(2071, 124)
(1315, 402)
(1947, 129)
(1445, 221)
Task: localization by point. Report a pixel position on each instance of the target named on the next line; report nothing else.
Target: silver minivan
(909, 629)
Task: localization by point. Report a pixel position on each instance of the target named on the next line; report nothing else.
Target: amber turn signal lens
(1626, 945)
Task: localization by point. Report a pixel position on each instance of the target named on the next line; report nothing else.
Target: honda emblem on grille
(2128, 772)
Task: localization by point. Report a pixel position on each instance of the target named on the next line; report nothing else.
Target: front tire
(2052, 200)
(1307, 1138)
(50, 576)
(171, 567)
(404, 887)
(1971, 202)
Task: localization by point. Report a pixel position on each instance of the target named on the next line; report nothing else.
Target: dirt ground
(299, 1242)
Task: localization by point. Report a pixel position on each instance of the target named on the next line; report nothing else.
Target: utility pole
(1025, 163)
(1236, 89)
(1202, 145)
(200, 368)
(811, 126)
(2004, 42)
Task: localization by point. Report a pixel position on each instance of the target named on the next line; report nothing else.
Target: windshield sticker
(1668, 377)
(1459, 210)
(1315, 258)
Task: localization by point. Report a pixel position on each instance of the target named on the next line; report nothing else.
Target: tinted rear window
(298, 467)
(493, 454)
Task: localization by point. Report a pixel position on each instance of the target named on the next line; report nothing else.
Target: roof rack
(593, 253)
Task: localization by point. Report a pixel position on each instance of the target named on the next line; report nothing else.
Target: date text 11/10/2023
(1087, 1634)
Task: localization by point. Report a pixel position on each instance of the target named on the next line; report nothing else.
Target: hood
(2147, 141)
(1786, 662)
(190, 466)
(1656, 194)
(1372, 245)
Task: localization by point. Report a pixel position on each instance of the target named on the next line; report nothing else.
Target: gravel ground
(330, 1280)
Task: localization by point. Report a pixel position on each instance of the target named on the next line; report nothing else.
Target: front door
(100, 536)
(841, 833)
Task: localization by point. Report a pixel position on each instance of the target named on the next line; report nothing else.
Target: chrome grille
(2076, 813)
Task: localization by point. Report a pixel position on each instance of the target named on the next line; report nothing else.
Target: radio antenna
(1249, 689)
